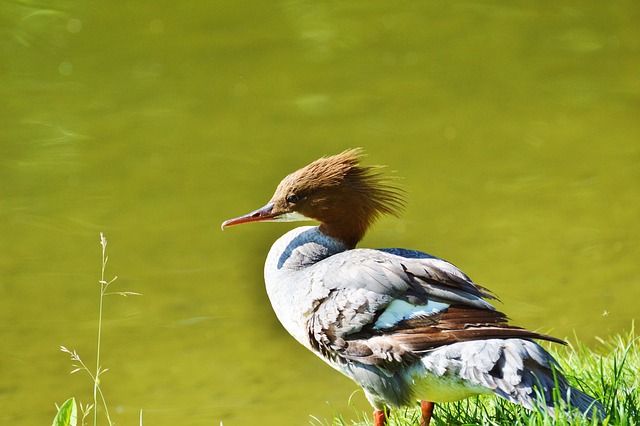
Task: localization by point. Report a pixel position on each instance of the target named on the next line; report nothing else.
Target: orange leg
(380, 417)
(427, 410)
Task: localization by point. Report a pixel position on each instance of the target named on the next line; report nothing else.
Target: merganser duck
(404, 325)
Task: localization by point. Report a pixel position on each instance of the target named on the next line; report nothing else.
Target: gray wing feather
(518, 370)
(353, 288)
(392, 275)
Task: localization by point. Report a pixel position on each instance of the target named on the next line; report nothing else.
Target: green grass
(610, 373)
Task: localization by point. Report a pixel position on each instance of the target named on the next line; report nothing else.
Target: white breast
(288, 277)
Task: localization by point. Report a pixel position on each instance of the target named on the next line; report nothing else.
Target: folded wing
(387, 307)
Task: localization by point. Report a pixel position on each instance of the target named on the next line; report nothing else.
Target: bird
(404, 325)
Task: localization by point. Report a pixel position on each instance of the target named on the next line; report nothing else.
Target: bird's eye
(292, 199)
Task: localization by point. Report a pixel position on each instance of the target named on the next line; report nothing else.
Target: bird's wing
(386, 307)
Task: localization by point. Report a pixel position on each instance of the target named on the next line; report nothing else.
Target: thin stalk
(79, 365)
(96, 382)
(103, 243)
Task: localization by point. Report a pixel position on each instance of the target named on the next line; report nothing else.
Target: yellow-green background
(515, 127)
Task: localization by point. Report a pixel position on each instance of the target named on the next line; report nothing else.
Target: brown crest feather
(345, 196)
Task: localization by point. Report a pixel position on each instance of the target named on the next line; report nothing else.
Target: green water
(515, 128)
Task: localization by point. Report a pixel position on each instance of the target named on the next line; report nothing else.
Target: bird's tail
(540, 383)
(587, 404)
(552, 390)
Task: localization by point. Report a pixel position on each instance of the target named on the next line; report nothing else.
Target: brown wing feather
(405, 342)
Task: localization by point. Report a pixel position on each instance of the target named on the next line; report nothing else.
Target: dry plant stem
(82, 366)
(79, 364)
(96, 378)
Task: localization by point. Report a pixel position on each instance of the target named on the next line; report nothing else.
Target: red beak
(260, 215)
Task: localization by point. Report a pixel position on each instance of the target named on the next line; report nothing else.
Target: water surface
(515, 129)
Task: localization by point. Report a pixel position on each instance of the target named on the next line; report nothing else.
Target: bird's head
(337, 191)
